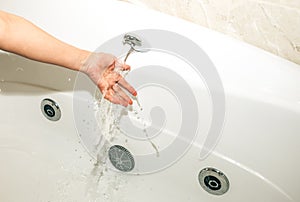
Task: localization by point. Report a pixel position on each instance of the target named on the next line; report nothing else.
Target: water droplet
(138, 102)
(19, 69)
(105, 196)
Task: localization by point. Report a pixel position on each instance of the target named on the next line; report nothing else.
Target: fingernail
(130, 102)
(134, 93)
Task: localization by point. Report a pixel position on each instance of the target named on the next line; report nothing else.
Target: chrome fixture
(133, 41)
(213, 181)
(50, 109)
(121, 158)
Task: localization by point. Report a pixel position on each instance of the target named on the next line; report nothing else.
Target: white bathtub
(258, 148)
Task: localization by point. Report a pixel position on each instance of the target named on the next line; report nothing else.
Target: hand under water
(103, 69)
(22, 37)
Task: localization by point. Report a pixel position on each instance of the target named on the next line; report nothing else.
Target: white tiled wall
(273, 25)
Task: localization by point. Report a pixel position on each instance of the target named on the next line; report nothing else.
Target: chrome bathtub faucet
(133, 41)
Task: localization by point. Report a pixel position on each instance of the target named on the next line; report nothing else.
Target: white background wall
(273, 25)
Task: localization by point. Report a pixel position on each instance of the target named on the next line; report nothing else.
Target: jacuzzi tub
(258, 147)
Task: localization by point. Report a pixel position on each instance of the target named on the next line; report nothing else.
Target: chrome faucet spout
(133, 41)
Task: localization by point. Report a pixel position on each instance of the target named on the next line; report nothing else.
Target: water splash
(139, 117)
(151, 142)
(107, 116)
(138, 103)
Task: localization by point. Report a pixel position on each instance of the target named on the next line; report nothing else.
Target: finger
(122, 94)
(120, 66)
(126, 67)
(115, 98)
(103, 86)
(123, 83)
(112, 66)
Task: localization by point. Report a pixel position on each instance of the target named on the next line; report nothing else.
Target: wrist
(83, 56)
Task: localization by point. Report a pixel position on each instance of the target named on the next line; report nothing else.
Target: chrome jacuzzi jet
(213, 181)
(50, 109)
(121, 158)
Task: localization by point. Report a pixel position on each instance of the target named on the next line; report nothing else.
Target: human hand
(103, 70)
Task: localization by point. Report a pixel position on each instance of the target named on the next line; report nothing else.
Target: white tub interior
(45, 161)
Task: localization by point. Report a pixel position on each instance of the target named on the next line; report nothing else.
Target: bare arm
(18, 35)
(24, 38)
